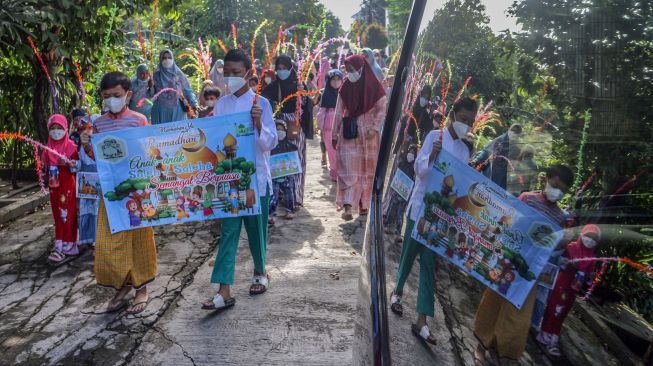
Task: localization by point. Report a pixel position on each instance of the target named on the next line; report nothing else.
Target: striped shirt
(537, 201)
(114, 122)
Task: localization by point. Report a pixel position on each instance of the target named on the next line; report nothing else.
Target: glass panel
(542, 199)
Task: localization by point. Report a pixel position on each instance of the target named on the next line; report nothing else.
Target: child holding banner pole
(455, 140)
(127, 259)
(501, 328)
(240, 98)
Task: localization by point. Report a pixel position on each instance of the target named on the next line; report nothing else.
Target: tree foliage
(375, 36)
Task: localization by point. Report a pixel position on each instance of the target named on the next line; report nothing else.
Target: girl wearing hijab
(326, 116)
(568, 283)
(63, 196)
(378, 72)
(142, 88)
(170, 107)
(286, 84)
(359, 115)
(217, 76)
(394, 205)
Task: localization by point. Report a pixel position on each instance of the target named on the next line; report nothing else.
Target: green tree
(375, 36)
(61, 29)
(459, 32)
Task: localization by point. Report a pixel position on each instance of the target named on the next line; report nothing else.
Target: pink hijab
(65, 146)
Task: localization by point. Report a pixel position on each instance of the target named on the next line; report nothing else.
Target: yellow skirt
(124, 258)
(499, 324)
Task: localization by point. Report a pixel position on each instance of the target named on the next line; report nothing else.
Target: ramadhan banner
(479, 227)
(178, 172)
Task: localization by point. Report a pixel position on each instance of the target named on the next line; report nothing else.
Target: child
(88, 207)
(237, 71)
(210, 95)
(285, 184)
(501, 328)
(127, 259)
(63, 197)
(569, 282)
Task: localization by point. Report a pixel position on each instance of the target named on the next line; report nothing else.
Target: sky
(495, 9)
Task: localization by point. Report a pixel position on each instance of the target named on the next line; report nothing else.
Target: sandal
(424, 334)
(395, 304)
(218, 303)
(57, 259)
(259, 281)
(553, 351)
(290, 216)
(270, 222)
(363, 212)
(133, 304)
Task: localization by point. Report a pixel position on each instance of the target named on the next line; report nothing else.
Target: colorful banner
(88, 185)
(178, 172)
(285, 164)
(482, 229)
(402, 184)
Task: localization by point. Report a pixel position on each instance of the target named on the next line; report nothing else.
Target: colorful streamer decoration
(648, 270)
(10, 136)
(256, 32)
(53, 90)
(105, 44)
(234, 35)
(155, 13)
(298, 94)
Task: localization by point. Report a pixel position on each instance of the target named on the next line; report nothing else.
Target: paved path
(55, 316)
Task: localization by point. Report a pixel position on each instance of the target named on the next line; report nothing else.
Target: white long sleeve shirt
(422, 167)
(266, 140)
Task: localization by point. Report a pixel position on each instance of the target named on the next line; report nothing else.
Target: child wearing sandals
(63, 197)
(568, 283)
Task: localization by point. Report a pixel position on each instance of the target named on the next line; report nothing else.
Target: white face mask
(355, 76)
(281, 135)
(588, 242)
(410, 157)
(57, 134)
(235, 83)
(422, 102)
(461, 129)
(220, 70)
(115, 104)
(268, 80)
(336, 84)
(146, 79)
(553, 194)
(167, 63)
(210, 103)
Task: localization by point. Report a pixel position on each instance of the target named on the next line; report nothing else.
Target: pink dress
(325, 120)
(356, 158)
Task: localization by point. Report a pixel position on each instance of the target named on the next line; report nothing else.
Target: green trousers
(257, 236)
(409, 251)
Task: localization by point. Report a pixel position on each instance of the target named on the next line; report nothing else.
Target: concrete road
(56, 316)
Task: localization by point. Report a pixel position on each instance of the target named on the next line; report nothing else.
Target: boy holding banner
(455, 139)
(237, 71)
(127, 259)
(500, 327)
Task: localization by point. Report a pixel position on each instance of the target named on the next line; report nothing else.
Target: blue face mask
(283, 74)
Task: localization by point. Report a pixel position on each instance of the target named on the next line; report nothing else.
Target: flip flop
(424, 334)
(218, 303)
(132, 304)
